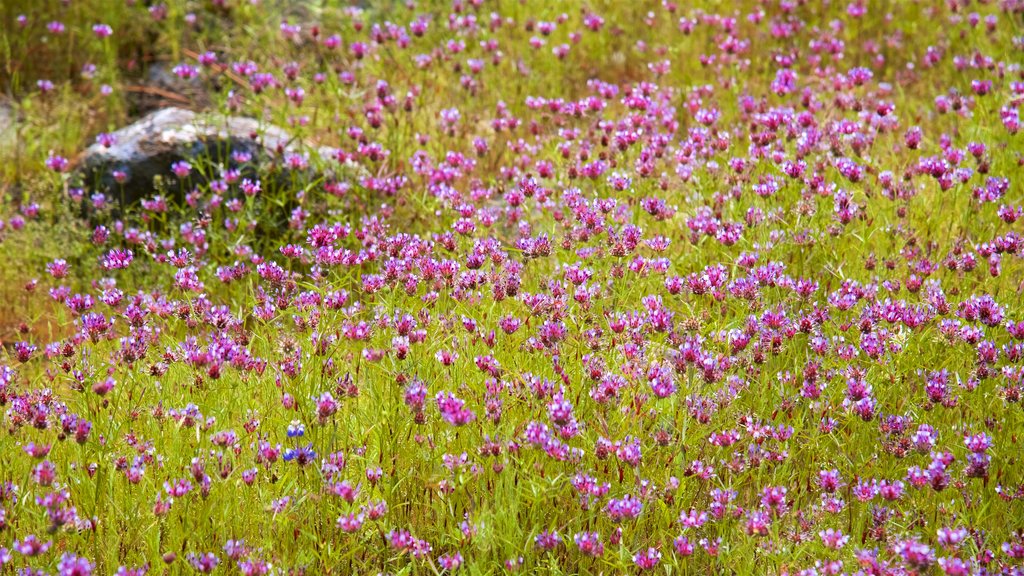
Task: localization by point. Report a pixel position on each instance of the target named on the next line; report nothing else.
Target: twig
(159, 92)
(223, 69)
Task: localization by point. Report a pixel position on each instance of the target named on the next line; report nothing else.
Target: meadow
(538, 287)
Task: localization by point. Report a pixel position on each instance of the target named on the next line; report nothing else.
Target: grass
(440, 243)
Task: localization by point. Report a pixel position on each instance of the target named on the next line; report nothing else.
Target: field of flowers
(574, 287)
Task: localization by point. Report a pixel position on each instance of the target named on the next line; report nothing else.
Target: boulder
(149, 147)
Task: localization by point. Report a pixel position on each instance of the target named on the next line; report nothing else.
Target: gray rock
(149, 147)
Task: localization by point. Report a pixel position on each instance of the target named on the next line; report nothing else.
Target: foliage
(599, 287)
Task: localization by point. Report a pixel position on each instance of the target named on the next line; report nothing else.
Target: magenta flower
(453, 409)
(647, 559)
(57, 163)
(589, 543)
(71, 565)
(31, 546)
(181, 168)
(117, 259)
(102, 30)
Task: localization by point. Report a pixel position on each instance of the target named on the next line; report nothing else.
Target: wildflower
(57, 163)
(31, 546)
(682, 546)
(951, 538)
(296, 429)
(204, 563)
(626, 508)
(303, 455)
(548, 540)
(589, 543)
(181, 168)
(833, 539)
(453, 409)
(351, 522)
(185, 72)
(647, 559)
(58, 268)
(450, 562)
(326, 407)
(117, 259)
(915, 554)
(71, 565)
